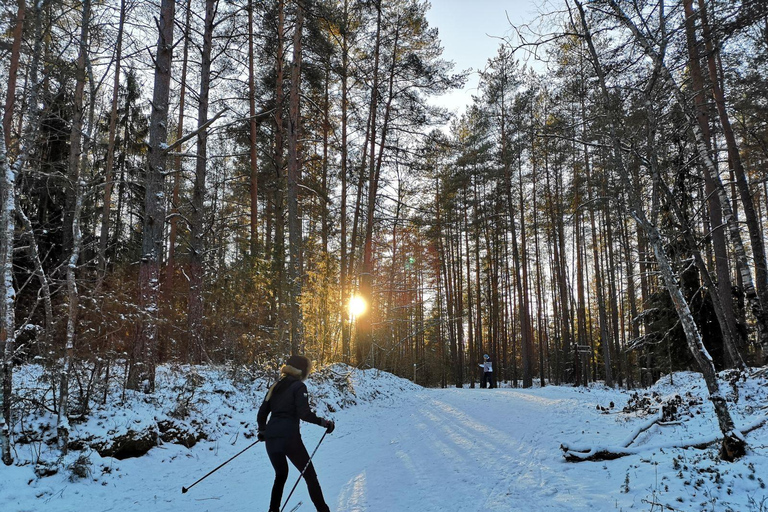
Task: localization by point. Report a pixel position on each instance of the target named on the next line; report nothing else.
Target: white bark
(7, 229)
(8, 297)
(73, 299)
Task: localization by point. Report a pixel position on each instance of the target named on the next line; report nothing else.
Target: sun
(357, 305)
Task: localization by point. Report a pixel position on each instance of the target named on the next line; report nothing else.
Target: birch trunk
(10, 172)
(73, 297)
(8, 298)
(751, 216)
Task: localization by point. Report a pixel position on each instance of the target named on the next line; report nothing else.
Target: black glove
(260, 435)
(329, 426)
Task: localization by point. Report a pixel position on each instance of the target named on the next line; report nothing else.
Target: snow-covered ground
(398, 447)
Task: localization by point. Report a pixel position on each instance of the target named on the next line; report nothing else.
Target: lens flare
(357, 306)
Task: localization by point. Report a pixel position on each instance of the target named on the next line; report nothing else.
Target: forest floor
(398, 447)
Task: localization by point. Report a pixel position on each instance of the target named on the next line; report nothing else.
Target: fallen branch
(595, 453)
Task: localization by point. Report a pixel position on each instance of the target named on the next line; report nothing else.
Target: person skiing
(285, 404)
(487, 367)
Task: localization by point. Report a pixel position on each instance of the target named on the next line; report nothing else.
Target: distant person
(288, 403)
(487, 367)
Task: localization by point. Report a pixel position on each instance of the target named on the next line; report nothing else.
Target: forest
(209, 182)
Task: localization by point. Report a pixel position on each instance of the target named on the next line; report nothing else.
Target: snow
(400, 447)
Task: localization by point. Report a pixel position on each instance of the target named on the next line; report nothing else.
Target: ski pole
(302, 471)
(185, 489)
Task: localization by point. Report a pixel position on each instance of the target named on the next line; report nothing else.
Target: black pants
(292, 448)
(488, 380)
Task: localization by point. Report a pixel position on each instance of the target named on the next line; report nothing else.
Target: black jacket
(288, 402)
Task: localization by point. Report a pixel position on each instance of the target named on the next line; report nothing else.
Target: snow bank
(191, 403)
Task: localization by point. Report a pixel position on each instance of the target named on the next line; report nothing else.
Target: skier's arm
(261, 417)
(302, 406)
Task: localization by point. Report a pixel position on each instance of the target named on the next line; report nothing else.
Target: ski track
(452, 450)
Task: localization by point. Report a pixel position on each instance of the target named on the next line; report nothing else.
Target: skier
(287, 402)
(487, 367)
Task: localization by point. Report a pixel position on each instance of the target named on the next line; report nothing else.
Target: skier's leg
(297, 453)
(277, 458)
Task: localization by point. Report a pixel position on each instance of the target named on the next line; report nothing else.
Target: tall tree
(142, 372)
(253, 136)
(294, 176)
(77, 156)
(13, 71)
(8, 204)
(197, 218)
(173, 221)
(112, 135)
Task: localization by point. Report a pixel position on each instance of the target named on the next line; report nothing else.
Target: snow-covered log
(607, 452)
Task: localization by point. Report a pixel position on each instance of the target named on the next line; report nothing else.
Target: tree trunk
(75, 139)
(73, 298)
(9, 173)
(724, 287)
(112, 131)
(253, 137)
(45, 286)
(295, 270)
(13, 68)
(365, 324)
(527, 327)
(142, 371)
(173, 220)
(750, 213)
(8, 305)
(344, 271)
(605, 338)
(278, 249)
(197, 244)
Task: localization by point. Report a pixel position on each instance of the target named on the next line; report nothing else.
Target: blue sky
(470, 32)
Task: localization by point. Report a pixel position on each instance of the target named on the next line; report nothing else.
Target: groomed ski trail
(458, 450)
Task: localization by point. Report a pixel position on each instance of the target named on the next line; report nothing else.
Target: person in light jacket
(487, 367)
(285, 404)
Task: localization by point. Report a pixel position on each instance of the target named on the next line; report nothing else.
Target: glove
(260, 435)
(329, 425)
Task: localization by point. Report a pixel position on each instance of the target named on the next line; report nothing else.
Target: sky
(470, 31)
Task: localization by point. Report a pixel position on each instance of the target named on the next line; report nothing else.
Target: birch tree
(9, 174)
